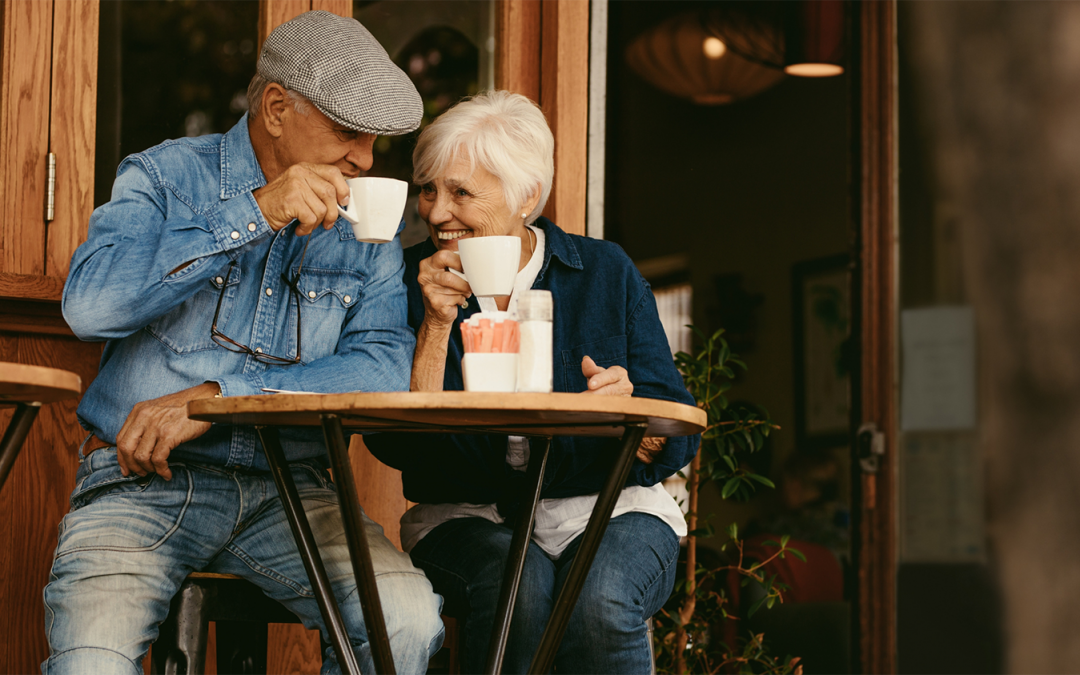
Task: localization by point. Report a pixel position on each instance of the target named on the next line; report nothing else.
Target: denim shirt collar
(240, 170)
(557, 244)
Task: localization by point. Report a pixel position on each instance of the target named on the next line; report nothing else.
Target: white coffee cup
(490, 371)
(490, 264)
(375, 207)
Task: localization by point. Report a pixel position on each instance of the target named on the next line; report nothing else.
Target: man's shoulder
(187, 167)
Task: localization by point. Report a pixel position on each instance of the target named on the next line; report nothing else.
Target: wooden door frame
(875, 207)
(542, 51)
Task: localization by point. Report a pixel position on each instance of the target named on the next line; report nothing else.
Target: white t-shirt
(558, 521)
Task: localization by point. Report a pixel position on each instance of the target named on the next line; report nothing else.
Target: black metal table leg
(309, 550)
(356, 537)
(590, 542)
(15, 436)
(515, 561)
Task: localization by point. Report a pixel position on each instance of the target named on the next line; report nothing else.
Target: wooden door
(47, 104)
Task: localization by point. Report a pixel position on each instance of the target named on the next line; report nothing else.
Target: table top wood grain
(21, 383)
(458, 412)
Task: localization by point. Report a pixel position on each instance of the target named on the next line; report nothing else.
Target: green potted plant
(685, 636)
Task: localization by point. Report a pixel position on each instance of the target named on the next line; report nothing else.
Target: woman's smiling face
(462, 204)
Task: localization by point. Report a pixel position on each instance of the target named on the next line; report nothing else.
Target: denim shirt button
(347, 299)
(269, 291)
(235, 235)
(312, 294)
(219, 280)
(251, 227)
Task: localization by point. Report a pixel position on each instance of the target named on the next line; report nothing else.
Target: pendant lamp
(684, 59)
(814, 39)
(805, 38)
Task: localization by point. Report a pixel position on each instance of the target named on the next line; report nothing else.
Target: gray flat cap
(344, 71)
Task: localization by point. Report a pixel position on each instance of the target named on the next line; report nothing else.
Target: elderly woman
(485, 168)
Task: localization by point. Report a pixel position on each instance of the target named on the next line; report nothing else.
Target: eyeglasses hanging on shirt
(259, 355)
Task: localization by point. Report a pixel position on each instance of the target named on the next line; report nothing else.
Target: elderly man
(196, 274)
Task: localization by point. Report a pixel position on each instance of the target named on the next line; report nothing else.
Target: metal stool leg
(309, 550)
(181, 646)
(590, 542)
(359, 552)
(15, 436)
(515, 561)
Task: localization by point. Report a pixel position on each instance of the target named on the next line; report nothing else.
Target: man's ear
(275, 108)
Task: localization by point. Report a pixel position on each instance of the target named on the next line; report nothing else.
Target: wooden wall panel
(72, 128)
(273, 13)
(35, 498)
(517, 46)
(339, 7)
(24, 134)
(564, 97)
(378, 487)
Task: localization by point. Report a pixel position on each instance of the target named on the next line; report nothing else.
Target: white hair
(503, 132)
(255, 95)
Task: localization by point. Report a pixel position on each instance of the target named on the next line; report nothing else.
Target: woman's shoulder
(594, 254)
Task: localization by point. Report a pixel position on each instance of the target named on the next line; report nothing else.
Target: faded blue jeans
(127, 544)
(631, 577)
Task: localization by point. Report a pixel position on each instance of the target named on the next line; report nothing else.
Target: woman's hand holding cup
(444, 292)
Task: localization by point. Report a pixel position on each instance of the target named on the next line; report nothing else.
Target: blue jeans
(631, 577)
(128, 543)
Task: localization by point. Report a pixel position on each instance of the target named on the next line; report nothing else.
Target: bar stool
(242, 614)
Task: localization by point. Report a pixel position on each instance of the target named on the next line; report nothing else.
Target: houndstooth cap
(344, 71)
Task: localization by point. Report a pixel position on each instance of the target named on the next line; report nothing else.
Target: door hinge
(50, 189)
(871, 446)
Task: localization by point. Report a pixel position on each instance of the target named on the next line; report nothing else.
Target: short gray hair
(501, 131)
(255, 94)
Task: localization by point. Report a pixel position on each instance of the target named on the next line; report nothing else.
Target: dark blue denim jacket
(190, 201)
(603, 309)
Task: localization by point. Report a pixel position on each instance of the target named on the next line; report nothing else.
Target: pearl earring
(524, 215)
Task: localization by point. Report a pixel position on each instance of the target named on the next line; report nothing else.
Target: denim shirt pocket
(326, 296)
(186, 328)
(606, 353)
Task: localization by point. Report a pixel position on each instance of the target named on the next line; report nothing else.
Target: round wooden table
(538, 415)
(28, 388)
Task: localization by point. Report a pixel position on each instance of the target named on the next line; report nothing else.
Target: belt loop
(82, 445)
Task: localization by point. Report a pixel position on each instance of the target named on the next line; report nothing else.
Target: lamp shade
(814, 39)
(681, 58)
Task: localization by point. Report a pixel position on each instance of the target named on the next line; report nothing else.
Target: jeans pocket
(108, 481)
(116, 513)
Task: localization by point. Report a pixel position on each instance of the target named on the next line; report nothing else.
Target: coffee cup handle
(345, 215)
(459, 274)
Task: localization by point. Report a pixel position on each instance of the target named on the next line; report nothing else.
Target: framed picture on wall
(824, 351)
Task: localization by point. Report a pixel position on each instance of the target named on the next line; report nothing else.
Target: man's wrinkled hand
(613, 381)
(308, 193)
(155, 427)
(650, 447)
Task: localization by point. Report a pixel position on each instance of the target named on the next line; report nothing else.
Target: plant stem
(686, 612)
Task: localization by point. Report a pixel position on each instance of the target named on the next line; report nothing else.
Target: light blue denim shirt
(190, 201)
